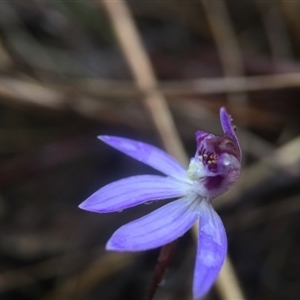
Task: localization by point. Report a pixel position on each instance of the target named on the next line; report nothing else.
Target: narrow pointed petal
(132, 191)
(158, 228)
(229, 129)
(212, 249)
(148, 154)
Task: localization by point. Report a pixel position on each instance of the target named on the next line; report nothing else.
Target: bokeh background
(65, 77)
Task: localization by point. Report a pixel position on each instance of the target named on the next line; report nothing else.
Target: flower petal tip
(225, 117)
(223, 110)
(110, 247)
(115, 244)
(211, 252)
(83, 205)
(229, 129)
(88, 206)
(103, 138)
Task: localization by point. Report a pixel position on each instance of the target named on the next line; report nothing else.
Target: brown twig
(51, 96)
(291, 11)
(227, 45)
(276, 30)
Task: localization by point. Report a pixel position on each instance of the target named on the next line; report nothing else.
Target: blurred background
(65, 78)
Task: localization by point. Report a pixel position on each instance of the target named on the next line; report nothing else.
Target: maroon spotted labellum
(217, 161)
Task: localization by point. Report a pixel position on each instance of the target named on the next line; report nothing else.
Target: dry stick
(275, 30)
(291, 11)
(5, 58)
(16, 91)
(203, 86)
(232, 84)
(25, 92)
(143, 73)
(227, 45)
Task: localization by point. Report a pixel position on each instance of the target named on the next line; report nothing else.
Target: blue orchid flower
(212, 171)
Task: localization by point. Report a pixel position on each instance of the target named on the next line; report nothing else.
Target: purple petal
(212, 248)
(228, 128)
(155, 229)
(132, 191)
(148, 154)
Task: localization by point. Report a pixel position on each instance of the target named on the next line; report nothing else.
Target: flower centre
(210, 158)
